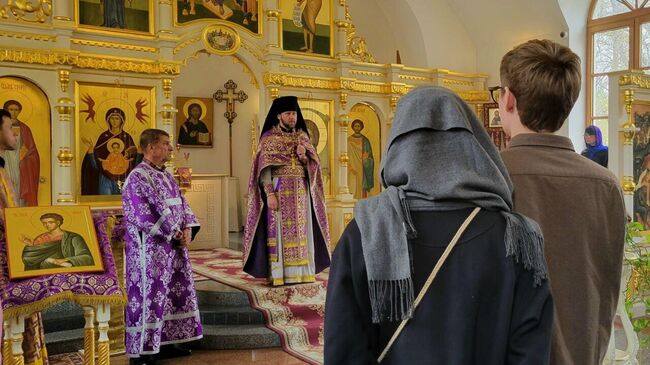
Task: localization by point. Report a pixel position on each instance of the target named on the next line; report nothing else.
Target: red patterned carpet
(73, 358)
(295, 312)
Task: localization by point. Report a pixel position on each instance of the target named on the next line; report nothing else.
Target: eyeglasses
(495, 92)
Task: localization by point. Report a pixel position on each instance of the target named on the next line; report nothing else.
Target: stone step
(229, 315)
(237, 338)
(215, 337)
(213, 293)
(210, 315)
(60, 342)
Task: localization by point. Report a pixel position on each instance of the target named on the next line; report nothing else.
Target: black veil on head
(281, 105)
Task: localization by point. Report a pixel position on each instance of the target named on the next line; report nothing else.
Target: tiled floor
(227, 357)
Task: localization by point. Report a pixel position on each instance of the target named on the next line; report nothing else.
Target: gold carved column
(63, 11)
(343, 26)
(272, 23)
(63, 178)
(164, 24)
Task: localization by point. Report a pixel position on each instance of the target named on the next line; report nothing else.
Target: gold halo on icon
(36, 217)
(187, 104)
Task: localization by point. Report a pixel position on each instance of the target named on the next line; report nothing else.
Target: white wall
(201, 78)
(575, 13)
(428, 33)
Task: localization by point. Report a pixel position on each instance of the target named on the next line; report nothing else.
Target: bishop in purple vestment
(286, 238)
(163, 308)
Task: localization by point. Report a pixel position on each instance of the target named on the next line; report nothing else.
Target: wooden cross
(230, 96)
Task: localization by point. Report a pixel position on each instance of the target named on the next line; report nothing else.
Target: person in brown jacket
(578, 203)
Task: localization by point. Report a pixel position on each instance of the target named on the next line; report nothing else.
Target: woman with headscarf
(490, 302)
(595, 150)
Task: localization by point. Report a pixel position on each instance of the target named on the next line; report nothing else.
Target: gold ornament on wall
(167, 87)
(65, 156)
(356, 46)
(628, 185)
(221, 40)
(28, 11)
(167, 112)
(344, 159)
(344, 100)
(275, 92)
(64, 79)
(628, 128)
(65, 107)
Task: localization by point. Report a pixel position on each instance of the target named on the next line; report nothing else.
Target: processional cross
(230, 96)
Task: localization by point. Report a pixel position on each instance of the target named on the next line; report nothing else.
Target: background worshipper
(490, 303)
(163, 307)
(34, 351)
(23, 163)
(596, 150)
(286, 238)
(540, 82)
(56, 247)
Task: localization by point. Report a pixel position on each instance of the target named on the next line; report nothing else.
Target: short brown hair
(544, 76)
(56, 217)
(150, 136)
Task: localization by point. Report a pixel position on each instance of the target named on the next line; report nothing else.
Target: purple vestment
(162, 307)
(289, 245)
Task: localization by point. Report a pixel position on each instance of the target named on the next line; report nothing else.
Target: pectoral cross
(230, 96)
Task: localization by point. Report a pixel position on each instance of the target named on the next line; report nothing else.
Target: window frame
(632, 19)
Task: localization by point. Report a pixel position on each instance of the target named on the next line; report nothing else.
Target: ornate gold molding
(474, 95)
(452, 82)
(639, 80)
(126, 65)
(414, 78)
(90, 61)
(62, 18)
(284, 79)
(307, 67)
(186, 43)
(347, 217)
(28, 36)
(130, 47)
(343, 24)
(356, 46)
(352, 84)
(25, 10)
(367, 73)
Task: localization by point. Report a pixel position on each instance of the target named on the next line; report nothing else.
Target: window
(619, 40)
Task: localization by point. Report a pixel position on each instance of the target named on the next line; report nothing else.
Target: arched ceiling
(461, 35)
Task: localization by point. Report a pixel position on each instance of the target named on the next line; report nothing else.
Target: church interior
(207, 72)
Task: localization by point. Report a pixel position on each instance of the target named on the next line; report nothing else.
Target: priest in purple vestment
(163, 309)
(286, 238)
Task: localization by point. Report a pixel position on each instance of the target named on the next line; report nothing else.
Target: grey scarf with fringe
(439, 157)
